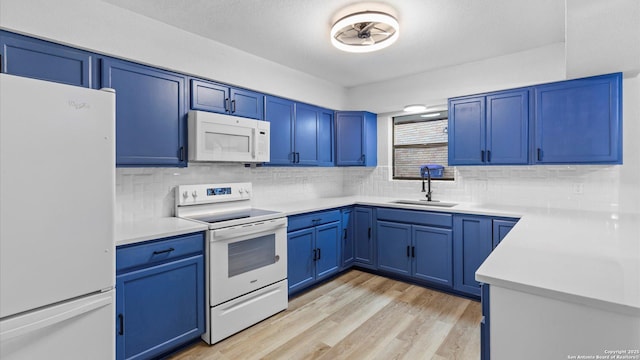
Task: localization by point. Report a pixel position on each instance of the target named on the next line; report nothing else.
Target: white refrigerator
(57, 201)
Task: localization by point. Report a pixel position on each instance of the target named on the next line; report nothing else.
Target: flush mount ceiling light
(415, 108)
(365, 31)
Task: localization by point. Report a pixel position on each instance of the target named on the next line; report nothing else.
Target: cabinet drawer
(416, 217)
(297, 222)
(158, 251)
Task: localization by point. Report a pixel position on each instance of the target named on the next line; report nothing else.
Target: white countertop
(134, 232)
(586, 257)
(591, 258)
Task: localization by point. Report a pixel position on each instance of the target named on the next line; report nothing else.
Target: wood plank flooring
(358, 316)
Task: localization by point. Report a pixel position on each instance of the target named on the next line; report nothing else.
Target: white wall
(98, 26)
(544, 64)
(600, 37)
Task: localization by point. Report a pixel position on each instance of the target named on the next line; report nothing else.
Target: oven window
(251, 254)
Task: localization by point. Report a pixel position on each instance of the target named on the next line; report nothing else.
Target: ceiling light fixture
(415, 108)
(365, 31)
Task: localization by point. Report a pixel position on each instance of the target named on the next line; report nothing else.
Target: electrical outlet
(578, 188)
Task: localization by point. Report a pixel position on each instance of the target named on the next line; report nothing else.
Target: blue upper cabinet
(467, 131)
(28, 57)
(356, 138)
(568, 122)
(313, 140)
(281, 114)
(301, 134)
(214, 97)
(579, 121)
(507, 127)
(490, 129)
(150, 114)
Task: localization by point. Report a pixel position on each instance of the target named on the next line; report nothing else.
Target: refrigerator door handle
(22, 325)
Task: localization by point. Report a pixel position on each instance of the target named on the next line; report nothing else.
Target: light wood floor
(358, 316)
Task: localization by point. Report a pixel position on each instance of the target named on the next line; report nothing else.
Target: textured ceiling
(434, 33)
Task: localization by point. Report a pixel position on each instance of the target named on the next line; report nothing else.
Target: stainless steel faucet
(428, 195)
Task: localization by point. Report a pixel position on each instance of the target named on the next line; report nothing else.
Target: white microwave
(224, 138)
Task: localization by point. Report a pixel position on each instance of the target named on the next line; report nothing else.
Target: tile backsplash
(143, 193)
(587, 187)
(148, 192)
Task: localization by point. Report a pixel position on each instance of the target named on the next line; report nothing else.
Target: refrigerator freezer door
(57, 185)
(78, 329)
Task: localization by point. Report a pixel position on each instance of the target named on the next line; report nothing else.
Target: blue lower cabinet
(472, 242)
(150, 114)
(421, 252)
(300, 259)
(348, 235)
(364, 247)
(485, 325)
(327, 250)
(313, 248)
(433, 255)
(394, 247)
(500, 229)
(159, 296)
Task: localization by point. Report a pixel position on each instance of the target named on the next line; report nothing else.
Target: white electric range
(246, 255)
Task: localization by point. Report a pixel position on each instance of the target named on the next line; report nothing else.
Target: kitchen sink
(425, 203)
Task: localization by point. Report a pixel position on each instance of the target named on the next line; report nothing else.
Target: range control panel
(212, 193)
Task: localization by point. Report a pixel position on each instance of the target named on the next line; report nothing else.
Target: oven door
(245, 258)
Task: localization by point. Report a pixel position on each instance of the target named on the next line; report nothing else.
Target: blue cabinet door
(349, 138)
(364, 242)
(313, 139)
(219, 98)
(300, 261)
(507, 128)
(472, 244)
(150, 114)
(500, 229)
(281, 114)
(326, 153)
(306, 135)
(467, 131)
(209, 96)
(579, 121)
(348, 255)
(28, 57)
(327, 249)
(394, 247)
(485, 324)
(356, 138)
(159, 308)
(432, 255)
(245, 103)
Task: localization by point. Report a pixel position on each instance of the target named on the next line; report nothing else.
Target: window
(420, 139)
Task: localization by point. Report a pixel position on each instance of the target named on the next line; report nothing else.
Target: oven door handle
(258, 228)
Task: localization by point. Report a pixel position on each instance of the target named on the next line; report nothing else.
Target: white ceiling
(433, 33)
